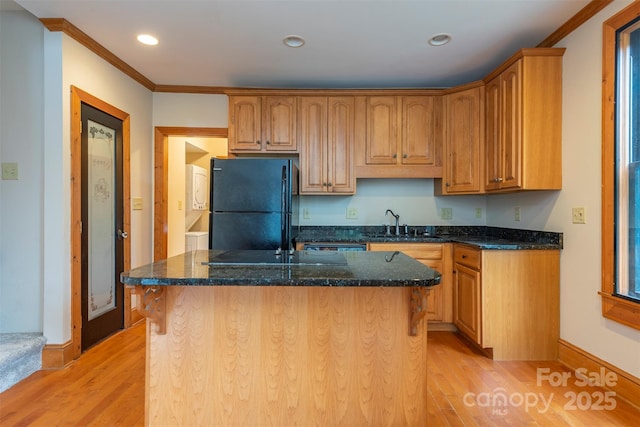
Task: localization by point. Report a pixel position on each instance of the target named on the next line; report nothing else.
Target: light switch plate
(352, 213)
(9, 171)
(136, 203)
(578, 216)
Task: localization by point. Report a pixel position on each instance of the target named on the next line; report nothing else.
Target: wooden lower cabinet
(508, 301)
(438, 257)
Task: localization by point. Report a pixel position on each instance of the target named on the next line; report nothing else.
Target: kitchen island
(251, 338)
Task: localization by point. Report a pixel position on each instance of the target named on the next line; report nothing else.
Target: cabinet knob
(268, 143)
(497, 179)
(446, 184)
(395, 156)
(329, 185)
(404, 156)
(258, 142)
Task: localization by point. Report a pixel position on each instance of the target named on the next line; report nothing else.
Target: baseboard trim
(135, 316)
(573, 357)
(57, 356)
(441, 326)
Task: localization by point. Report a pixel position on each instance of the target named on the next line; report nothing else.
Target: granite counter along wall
(484, 237)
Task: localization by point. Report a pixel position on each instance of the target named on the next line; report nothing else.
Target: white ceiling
(349, 44)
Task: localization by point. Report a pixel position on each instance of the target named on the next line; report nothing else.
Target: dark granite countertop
(480, 237)
(211, 268)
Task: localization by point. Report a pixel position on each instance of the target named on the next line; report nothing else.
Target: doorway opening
(175, 147)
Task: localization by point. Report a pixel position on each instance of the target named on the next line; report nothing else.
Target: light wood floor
(105, 387)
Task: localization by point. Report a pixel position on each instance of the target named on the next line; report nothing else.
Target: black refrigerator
(254, 204)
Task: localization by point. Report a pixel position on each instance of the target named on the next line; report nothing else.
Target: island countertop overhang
(352, 269)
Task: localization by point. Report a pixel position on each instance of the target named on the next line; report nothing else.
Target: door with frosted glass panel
(102, 226)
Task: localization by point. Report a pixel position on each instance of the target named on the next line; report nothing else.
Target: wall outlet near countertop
(446, 213)
(306, 213)
(478, 212)
(352, 213)
(516, 213)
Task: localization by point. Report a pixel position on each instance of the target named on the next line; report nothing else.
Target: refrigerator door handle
(283, 211)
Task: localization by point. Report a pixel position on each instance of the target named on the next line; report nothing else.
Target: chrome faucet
(397, 217)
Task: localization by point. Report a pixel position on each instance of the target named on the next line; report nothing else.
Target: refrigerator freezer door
(246, 231)
(248, 185)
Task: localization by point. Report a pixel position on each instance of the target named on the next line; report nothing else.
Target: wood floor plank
(105, 387)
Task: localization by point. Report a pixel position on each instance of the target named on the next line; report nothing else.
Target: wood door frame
(79, 96)
(161, 178)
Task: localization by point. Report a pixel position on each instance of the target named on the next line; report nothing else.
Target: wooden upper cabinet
(327, 132)
(382, 132)
(245, 123)
(523, 123)
(403, 137)
(421, 130)
(463, 141)
(263, 124)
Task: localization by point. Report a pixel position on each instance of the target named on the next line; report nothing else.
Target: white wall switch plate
(306, 214)
(136, 203)
(446, 213)
(9, 171)
(352, 213)
(578, 216)
(516, 213)
(478, 212)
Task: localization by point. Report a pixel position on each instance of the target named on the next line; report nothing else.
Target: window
(621, 168)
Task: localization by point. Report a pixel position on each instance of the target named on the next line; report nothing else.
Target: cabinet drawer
(414, 250)
(467, 256)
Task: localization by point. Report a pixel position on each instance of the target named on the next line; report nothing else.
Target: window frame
(614, 307)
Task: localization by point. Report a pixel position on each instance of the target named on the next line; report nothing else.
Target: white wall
(85, 70)
(21, 201)
(38, 68)
(581, 320)
(412, 199)
(190, 110)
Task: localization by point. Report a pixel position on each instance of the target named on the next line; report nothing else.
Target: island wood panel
(277, 355)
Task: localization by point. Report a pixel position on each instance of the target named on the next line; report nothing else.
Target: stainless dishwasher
(335, 247)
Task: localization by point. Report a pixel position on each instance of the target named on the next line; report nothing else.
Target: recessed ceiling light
(147, 39)
(440, 39)
(293, 41)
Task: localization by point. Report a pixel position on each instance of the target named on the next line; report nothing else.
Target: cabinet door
(313, 152)
(279, 123)
(244, 123)
(420, 130)
(511, 112)
(435, 299)
(493, 121)
(341, 145)
(382, 138)
(463, 139)
(466, 302)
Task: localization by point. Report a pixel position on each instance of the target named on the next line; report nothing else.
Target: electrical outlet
(578, 216)
(516, 213)
(179, 205)
(478, 212)
(446, 213)
(9, 171)
(306, 213)
(352, 213)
